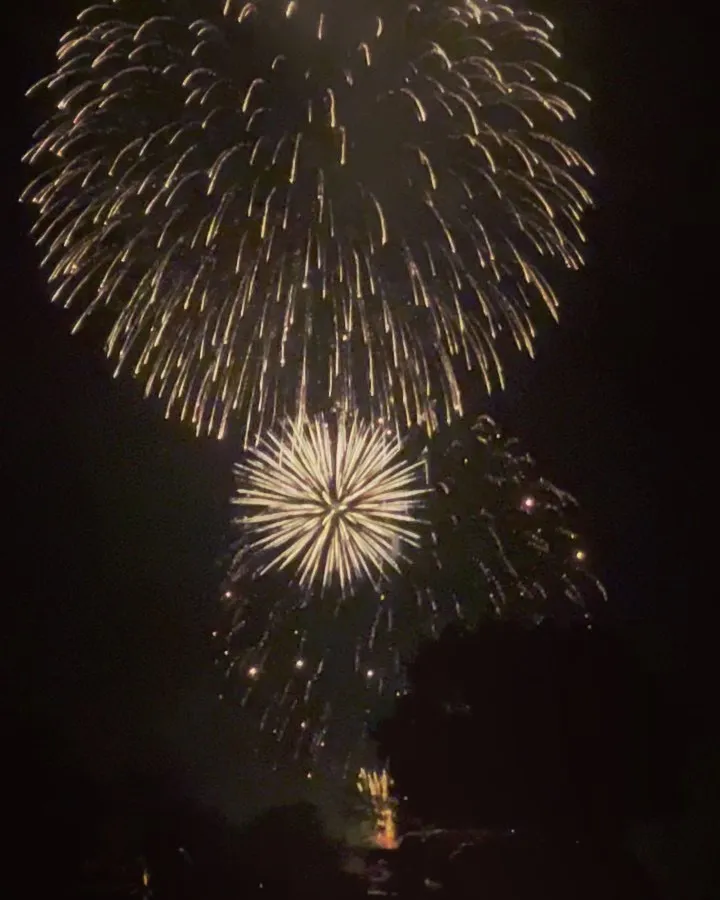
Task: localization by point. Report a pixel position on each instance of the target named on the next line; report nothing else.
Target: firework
(278, 206)
(377, 786)
(334, 502)
(314, 664)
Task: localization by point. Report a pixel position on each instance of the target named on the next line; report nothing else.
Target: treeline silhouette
(527, 760)
(541, 748)
(142, 836)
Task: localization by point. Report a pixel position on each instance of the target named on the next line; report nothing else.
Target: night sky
(117, 517)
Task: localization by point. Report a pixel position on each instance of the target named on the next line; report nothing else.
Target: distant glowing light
(377, 787)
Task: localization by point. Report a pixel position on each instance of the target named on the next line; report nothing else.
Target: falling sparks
(274, 207)
(483, 550)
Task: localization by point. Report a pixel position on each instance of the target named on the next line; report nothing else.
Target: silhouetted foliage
(142, 836)
(189, 850)
(517, 726)
(289, 855)
(52, 808)
(517, 868)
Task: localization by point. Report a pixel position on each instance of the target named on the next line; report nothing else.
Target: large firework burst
(313, 664)
(334, 501)
(278, 202)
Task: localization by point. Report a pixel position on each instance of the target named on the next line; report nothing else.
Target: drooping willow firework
(285, 205)
(494, 539)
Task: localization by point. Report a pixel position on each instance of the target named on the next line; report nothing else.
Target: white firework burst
(335, 501)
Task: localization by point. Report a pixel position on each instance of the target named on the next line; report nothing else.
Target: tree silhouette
(188, 849)
(544, 736)
(52, 805)
(288, 854)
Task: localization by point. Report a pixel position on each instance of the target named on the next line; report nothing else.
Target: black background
(116, 517)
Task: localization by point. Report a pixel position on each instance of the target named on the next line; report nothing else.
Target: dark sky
(117, 516)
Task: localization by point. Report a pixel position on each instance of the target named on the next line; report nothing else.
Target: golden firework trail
(278, 206)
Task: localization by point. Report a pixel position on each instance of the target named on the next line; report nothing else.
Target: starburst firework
(334, 501)
(496, 540)
(276, 204)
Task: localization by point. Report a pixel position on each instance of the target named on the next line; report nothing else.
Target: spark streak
(272, 208)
